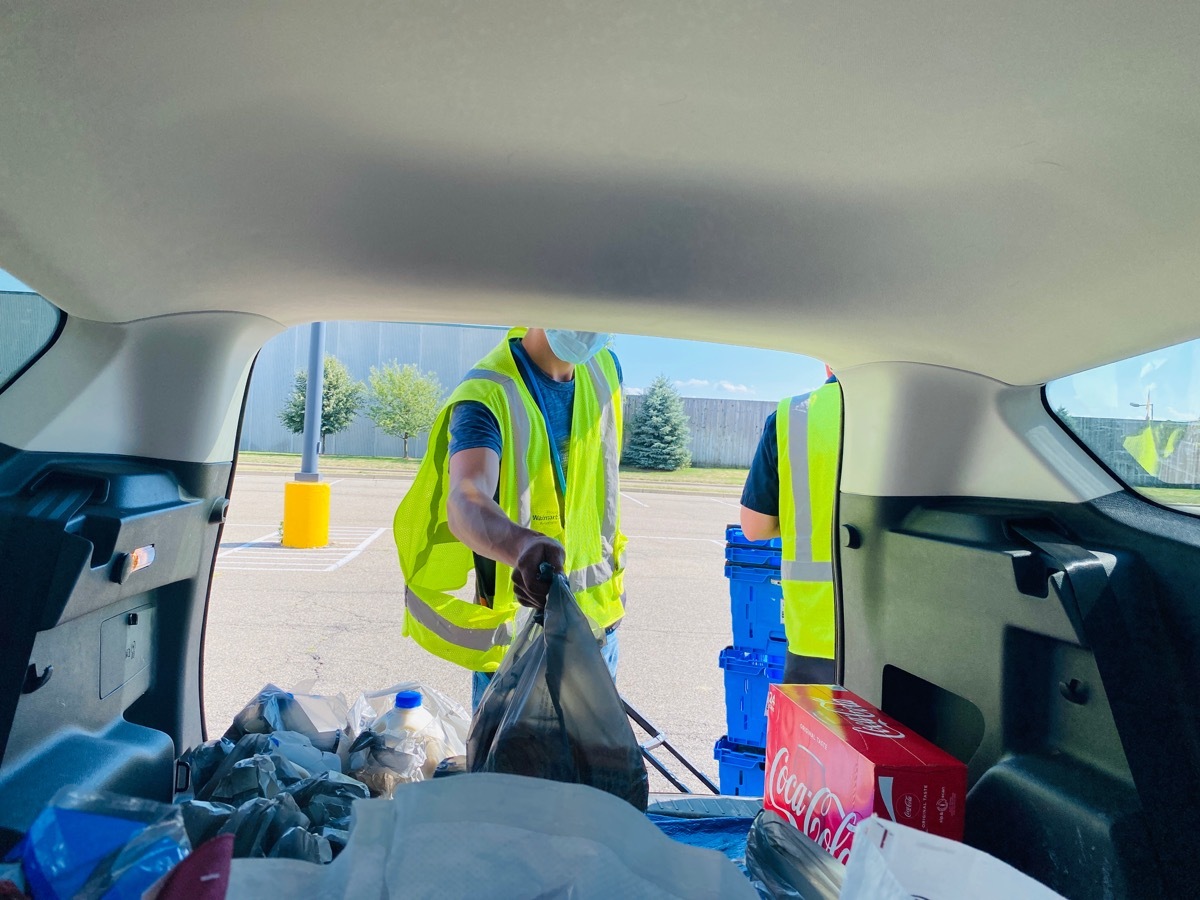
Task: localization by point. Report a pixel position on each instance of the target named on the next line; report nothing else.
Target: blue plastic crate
(756, 604)
(754, 556)
(749, 675)
(742, 769)
(744, 552)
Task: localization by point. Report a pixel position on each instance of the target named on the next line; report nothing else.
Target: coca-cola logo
(908, 804)
(860, 719)
(817, 811)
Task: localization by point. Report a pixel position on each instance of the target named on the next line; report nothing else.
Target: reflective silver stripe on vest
(801, 490)
(591, 576)
(470, 638)
(798, 570)
(611, 461)
(519, 418)
(599, 573)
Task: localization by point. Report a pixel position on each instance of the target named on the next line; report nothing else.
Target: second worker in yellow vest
(521, 469)
(790, 493)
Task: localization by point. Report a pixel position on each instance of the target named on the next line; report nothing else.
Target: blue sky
(8, 283)
(1170, 378)
(715, 370)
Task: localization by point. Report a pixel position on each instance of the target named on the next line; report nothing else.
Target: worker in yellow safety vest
(521, 469)
(790, 493)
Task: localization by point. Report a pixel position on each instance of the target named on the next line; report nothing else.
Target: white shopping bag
(890, 861)
(498, 836)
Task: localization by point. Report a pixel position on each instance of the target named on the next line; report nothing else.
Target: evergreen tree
(403, 402)
(341, 398)
(659, 434)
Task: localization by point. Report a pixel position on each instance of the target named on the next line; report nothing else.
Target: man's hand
(477, 521)
(536, 549)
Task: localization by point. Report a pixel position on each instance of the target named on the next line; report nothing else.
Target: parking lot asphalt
(333, 617)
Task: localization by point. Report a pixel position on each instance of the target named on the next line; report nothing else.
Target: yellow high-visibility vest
(587, 521)
(809, 434)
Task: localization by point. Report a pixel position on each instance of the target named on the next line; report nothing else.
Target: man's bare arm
(759, 526)
(478, 521)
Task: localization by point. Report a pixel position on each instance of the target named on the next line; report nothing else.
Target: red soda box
(833, 760)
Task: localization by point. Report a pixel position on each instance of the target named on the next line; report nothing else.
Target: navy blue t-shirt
(472, 424)
(761, 492)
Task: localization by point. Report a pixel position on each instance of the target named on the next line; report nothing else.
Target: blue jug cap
(408, 700)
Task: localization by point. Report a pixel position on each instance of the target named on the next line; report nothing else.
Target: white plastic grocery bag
(894, 862)
(498, 836)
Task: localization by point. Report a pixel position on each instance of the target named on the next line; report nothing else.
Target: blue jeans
(480, 680)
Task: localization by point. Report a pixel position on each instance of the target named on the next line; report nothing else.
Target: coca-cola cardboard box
(833, 760)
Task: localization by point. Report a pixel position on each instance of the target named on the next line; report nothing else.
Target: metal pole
(312, 403)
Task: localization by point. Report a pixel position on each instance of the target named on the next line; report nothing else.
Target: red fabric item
(204, 875)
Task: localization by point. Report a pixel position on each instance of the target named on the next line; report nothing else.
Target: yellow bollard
(305, 514)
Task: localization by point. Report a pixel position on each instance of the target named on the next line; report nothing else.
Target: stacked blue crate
(753, 663)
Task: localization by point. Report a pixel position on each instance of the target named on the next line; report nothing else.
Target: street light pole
(1149, 407)
(306, 498)
(314, 393)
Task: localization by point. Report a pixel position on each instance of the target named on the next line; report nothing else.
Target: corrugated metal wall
(1106, 438)
(724, 432)
(446, 350)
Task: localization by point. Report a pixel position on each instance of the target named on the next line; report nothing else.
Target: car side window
(1141, 418)
(28, 325)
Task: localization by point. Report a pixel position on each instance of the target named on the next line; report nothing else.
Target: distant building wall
(724, 432)
(1106, 438)
(448, 351)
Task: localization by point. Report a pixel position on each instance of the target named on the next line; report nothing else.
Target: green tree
(341, 400)
(403, 401)
(659, 433)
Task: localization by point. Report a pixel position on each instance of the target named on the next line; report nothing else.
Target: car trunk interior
(979, 620)
(950, 206)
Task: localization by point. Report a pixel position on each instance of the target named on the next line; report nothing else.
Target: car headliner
(1011, 189)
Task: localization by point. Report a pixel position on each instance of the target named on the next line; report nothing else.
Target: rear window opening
(330, 619)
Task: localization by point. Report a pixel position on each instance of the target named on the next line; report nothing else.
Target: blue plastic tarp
(725, 834)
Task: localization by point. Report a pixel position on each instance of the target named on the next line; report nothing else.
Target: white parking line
(660, 537)
(725, 503)
(267, 555)
(261, 540)
(357, 550)
(634, 499)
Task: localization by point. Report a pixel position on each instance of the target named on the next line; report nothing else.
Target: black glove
(529, 584)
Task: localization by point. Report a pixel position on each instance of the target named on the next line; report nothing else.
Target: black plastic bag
(552, 710)
(786, 864)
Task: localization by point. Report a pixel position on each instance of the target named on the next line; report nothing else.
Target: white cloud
(692, 382)
(1151, 366)
(1180, 416)
(732, 388)
(634, 392)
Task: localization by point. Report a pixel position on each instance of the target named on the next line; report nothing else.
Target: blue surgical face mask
(577, 346)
